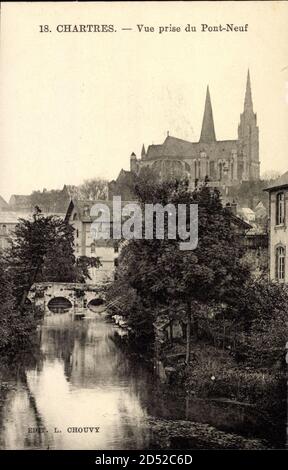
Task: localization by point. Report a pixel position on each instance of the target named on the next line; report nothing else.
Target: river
(80, 378)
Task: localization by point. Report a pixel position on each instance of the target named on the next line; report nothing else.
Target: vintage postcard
(143, 227)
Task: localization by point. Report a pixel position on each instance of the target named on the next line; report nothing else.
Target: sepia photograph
(143, 228)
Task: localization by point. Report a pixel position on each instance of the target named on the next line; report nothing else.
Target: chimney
(232, 207)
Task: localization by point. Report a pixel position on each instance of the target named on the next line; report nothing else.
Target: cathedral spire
(248, 104)
(143, 152)
(208, 130)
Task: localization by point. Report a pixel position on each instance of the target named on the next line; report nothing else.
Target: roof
(125, 177)
(246, 210)
(9, 217)
(20, 201)
(83, 208)
(20, 198)
(278, 183)
(173, 147)
(260, 205)
(238, 221)
(12, 217)
(3, 203)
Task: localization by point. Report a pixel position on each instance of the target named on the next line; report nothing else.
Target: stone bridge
(61, 297)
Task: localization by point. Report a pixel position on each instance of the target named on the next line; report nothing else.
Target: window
(280, 263)
(280, 209)
(92, 247)
(77, 233)
(77, 248)
(220, 170)
(187, 167)
(86, 211)
(4, 229)
(212, 170)
(197, 168)
(75, 216)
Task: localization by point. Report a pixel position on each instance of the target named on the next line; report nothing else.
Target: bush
(214, 374)
(16, 331)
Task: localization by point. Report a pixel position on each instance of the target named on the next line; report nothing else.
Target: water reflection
(84, 381)
(81, 378)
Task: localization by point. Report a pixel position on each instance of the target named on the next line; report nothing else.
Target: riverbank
(180, 434)
(215, 374)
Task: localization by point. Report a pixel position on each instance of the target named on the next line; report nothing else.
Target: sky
(73, 106)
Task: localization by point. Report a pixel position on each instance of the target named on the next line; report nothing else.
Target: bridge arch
(59, 305)
(96, 305)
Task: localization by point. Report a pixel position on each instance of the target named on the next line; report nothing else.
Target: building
(260, 212)
(247, 214)
(123, 186)
(3, 204)
(78, 215)
(223, 162)
(253, 238)
(8, 222)
(20, 203)
(278, 229)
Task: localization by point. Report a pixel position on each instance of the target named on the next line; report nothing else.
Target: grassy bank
(215, 373)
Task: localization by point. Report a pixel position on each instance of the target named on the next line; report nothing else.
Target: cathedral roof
(179, 148)
(155, 151)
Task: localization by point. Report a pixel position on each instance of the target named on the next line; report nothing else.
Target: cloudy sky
(75, 105)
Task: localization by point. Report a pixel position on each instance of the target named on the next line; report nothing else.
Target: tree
(94, 189)
(263, 315)
(161, 273)
(15, 329)
(83, 264)
(42, 250)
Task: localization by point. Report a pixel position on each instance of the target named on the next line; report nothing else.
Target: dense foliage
(41, 251)
(15, 327)
(163, 276)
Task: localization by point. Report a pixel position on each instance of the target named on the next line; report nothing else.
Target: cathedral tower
(248, 139)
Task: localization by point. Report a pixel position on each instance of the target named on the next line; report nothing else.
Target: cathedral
(222, 162)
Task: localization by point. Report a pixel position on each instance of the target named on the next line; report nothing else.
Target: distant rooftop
(9, 217)
(3, 203)
(12, 217)
(278, 183)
